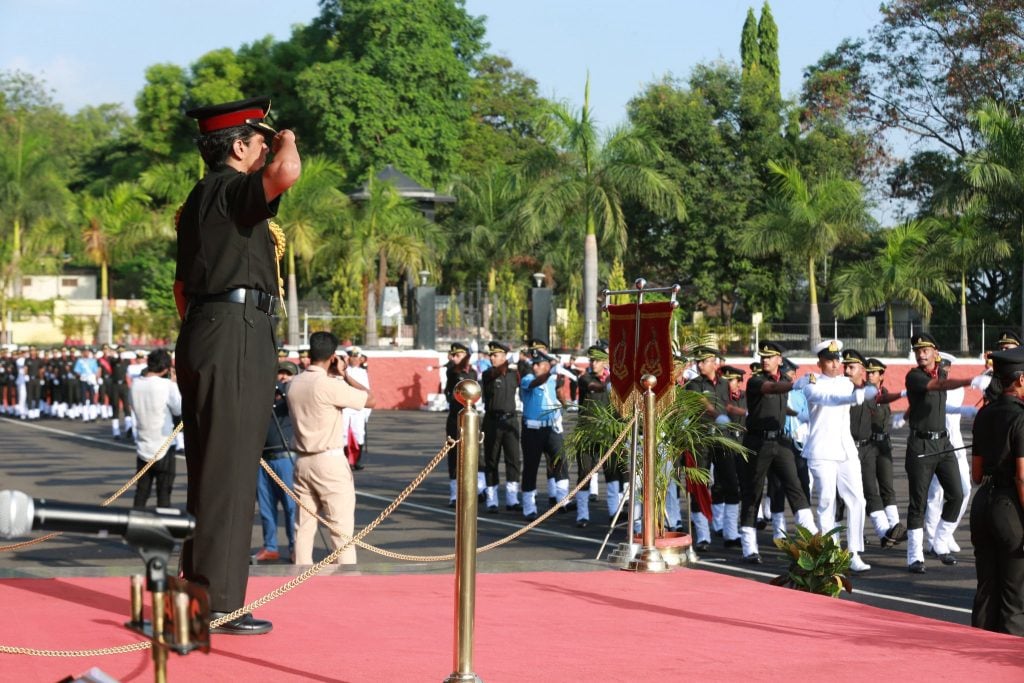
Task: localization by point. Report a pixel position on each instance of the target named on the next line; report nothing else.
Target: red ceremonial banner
(629, 362)
(622, 355)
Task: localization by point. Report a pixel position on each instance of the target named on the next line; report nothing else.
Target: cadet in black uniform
(456, 369)
(878, 450)
(929, 452)
(725, 491)
(997, 515)
(1008, 339)
(592, 388)
(501, 428)
(227, 275)
(770, 450)
(716, 396)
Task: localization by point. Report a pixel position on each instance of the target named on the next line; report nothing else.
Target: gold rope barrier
(130, 483)
(482, 549)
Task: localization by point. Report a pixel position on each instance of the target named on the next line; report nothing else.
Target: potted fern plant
(817, 563)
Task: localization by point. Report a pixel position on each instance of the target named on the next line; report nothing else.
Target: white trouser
(613, 495)
(511, 493)
(936, 496)
(583, 505)
(673, 515)
(844, 476)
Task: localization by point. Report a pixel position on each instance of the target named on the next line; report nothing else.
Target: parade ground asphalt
(79, 462)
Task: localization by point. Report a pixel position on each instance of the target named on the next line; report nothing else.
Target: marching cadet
(881, 445)
(542, 433)
(456, 369)
(501, 428)
(593, 394)
(997, 515)
(831, 453)
(869, 424)
(796, 429)
(770, 449)
(716, 396)
(929, 452)
(725, 490)
(955, 409)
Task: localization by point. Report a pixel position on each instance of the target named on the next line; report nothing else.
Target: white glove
(968, 411)
(898, 420)
(981, 382)
(722, 419)
(903, 394)
(870, 392)
(859, 394)
(691, 373)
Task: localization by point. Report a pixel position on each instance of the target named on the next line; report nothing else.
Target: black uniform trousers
(451, 430)
(776, 456)
(876, 474)
(997, 533)
(542, 442)
(927, 458)
(162, 472)
(726, 487)
(226, 364)
(777, 491)
(501, 438)
(120, 400)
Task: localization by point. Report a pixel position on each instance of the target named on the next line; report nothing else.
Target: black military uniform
(454, 373)
(929, 453)
(997, 514)
(226, 356)
(592, 388)
(770, 449)
(725, 490)
(501, 428)
(716, 393)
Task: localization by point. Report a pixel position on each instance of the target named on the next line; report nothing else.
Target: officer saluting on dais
(227, 289)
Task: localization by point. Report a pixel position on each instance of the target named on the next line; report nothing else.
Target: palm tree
(305, 209)
(997, 168)
(806, 221)
(900, 271)
(115, 223)
(580, 181)
(964, 244)
(379, 232)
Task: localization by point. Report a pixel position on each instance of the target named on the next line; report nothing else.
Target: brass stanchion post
(649, 558)
(467, 392)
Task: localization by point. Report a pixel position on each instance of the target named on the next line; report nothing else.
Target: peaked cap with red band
(250, 112)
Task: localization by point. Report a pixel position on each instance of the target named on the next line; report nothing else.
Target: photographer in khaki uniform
(323, 476)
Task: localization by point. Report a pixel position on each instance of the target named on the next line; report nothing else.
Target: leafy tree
(164, 132)
(768, 48)
(750, 49)
(900, 271)
(393, 88)
(33, 192)
(805, 220)
(585, 183)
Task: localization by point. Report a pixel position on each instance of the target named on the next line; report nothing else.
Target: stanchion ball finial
(649, 381)
(467, 392)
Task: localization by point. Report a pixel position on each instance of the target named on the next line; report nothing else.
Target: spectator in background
(354, 421)
(156, 402)
(278, 454)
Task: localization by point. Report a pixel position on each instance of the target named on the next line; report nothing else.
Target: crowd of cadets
(69, 383)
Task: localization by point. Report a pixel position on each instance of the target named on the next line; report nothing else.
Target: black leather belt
(879, 437)
(931, 436)
(863, 442)
(772, 435)
(261, 300)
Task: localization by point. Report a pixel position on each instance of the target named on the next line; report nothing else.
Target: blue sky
(96, 51)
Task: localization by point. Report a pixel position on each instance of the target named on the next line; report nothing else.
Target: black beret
(851, 356)
(923, 340)
(495, 346)
(769, 348)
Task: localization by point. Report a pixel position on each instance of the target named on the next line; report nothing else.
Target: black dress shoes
(949, 559)
(897, 534)
(917, 568)
(753, 558)
(702, 546)
(733, 543)
(492, 509)
(245, 625)
(582, 523)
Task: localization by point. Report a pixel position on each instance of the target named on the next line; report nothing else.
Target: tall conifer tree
(768, 47)
(750, 53)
